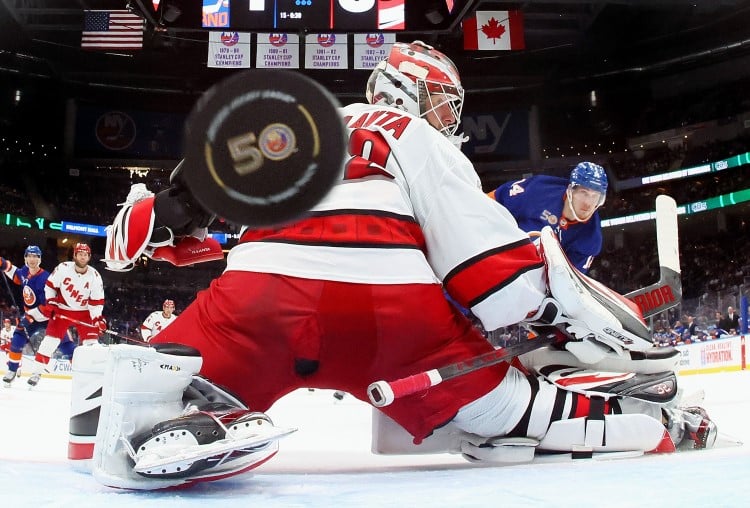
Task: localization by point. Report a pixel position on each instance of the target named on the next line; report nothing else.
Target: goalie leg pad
(612, 433)
(142, 386)
(640, 362)
(85, 402)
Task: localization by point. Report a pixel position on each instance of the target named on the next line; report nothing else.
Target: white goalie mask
(419, 79)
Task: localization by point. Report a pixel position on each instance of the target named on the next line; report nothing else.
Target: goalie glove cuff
(189, 251)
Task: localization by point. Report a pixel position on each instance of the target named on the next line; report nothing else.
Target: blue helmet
(589, 175)
(33, 250)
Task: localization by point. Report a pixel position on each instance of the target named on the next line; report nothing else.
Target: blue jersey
(537, 202)
(32, 290)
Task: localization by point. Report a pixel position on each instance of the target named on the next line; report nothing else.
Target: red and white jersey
(6, 334)
(75, 291)
(154, 323)
(406, 190)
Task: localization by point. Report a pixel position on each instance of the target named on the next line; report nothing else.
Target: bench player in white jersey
(353, 293)
(6, 333)
(158, 320)
(75, 297)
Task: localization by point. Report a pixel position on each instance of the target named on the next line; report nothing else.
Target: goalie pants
(264, 335)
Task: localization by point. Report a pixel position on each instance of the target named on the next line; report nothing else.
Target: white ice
(328, 463)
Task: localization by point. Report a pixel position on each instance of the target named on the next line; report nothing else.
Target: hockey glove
(101, 324)
(5, 265)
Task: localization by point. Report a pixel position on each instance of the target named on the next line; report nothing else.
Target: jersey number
(369, 154)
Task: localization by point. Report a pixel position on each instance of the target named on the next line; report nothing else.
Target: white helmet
(417, 78)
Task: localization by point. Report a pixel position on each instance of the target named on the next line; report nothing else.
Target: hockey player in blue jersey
(568, 206)
(32, 278)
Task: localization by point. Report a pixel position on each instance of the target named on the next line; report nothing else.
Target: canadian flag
(494, 30)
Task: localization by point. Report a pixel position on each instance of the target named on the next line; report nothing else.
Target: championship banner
(276, 50)
(229, 50)
(494, 30)
(326, 51)
(371, 49)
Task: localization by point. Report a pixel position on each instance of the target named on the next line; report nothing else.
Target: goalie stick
(667, 292)
(107, 331)
(657, 297)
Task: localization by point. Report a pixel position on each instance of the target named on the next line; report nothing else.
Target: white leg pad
(85, 398)
(616, 433)
(141, 387)
(390, 438)
(550, 356)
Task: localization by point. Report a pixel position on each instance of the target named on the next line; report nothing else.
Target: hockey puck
(263, 147)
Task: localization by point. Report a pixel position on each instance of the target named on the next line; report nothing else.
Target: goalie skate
(602, 322)
(187, 447)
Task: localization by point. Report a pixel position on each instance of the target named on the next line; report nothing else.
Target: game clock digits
(290, 15)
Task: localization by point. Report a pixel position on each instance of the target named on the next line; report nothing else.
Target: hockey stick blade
(170, 460)
(383, 393)
(667, 292)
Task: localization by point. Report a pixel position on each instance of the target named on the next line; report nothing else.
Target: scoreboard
(294, 15)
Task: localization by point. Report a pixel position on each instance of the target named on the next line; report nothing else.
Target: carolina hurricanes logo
(375, 40)
(326, 40)
(277, 141)
(277, 39)
(230, 38)
(29, 297)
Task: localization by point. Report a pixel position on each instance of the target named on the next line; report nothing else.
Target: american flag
(105, 30)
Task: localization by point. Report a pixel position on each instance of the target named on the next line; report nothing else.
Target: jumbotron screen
(291, 15)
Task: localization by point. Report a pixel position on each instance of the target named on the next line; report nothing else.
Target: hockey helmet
(6, 320)
(589, 175)
(168, 303)
(417, 78)
(81, 247)
(32, 250)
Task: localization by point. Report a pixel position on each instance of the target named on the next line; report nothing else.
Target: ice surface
(328, 463)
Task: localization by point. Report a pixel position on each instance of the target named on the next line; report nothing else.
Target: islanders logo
(374, 40)
(277, 141)
(229, 38)
(115, 130)
(326, 40)
(29, 297)
(277, 39)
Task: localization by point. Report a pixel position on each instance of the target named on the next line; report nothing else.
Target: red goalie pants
(265, 335)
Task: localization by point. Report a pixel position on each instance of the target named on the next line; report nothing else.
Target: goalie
(352, 293)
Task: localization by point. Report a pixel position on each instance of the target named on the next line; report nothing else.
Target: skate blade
(150, 461)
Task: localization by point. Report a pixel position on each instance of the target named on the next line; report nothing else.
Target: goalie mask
(421, 80)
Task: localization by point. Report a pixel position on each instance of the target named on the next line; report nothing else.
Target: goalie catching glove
(168, 226)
